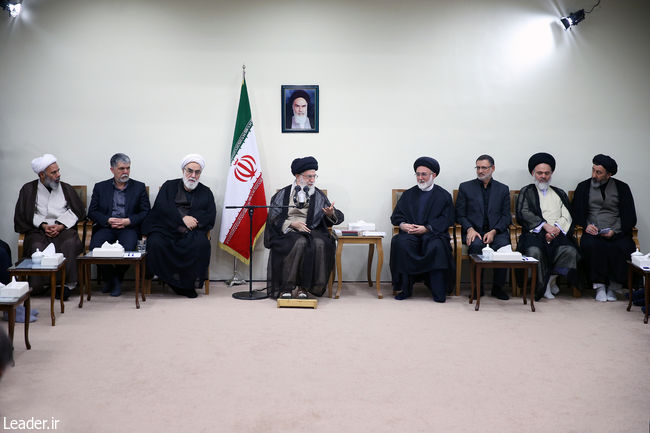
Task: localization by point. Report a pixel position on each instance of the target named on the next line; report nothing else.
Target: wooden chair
(82, 225)
(455, 248)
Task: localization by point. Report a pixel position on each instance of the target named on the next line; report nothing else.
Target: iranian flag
(244, 186)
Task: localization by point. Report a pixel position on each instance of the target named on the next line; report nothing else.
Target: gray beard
(52, 184)
(595, 183)
(542, 186)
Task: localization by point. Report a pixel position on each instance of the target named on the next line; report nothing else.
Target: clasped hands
(52, 230)
(594, 231)
(118, 223)
(413, 229)
(487, 238)
(551, 232)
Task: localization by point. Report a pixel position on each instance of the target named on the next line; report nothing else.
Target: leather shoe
(498, 293)
(66, 293)
(117, 290)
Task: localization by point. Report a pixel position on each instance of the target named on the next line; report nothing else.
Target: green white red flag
(244, 186)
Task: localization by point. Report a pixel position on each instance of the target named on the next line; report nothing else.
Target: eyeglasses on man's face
(483, 167)
(190, 172)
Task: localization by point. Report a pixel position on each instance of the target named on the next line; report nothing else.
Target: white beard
(595, 183)
(190, 184)
(426, 186)
(300, 120)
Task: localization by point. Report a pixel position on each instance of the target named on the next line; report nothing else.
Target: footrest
(298, 303)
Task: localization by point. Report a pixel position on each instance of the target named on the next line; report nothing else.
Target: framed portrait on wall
(300, 108)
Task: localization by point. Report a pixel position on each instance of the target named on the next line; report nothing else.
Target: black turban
(541, 158)
(300, 165)
(430, 163)
(607, 162)
(299, 94)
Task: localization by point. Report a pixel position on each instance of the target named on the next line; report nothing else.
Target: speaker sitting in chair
(302, 249)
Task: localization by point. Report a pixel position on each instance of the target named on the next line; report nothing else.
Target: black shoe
(117, 290)
(108, 287)
(401, 296)
(66, 294)
(498, 293)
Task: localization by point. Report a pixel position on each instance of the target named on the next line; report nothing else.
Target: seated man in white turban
(178, 249)
(47, 212)
(302, 249)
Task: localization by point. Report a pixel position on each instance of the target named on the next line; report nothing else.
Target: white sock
(601, 294)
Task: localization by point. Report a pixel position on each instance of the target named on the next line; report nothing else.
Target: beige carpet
(356, 364)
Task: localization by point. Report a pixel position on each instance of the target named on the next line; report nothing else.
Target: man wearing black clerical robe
(47, 212)
(302, 248)
(178, 249)
(544, 213)
(604, 206)
(422, 247)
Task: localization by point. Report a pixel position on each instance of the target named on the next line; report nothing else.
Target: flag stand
(235, 280)
(250, 295)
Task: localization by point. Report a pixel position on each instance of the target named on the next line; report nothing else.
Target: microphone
(301, 196)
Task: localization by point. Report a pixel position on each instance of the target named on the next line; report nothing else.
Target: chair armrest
(577, 233)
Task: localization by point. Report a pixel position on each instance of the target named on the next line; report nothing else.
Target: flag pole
(235, 280)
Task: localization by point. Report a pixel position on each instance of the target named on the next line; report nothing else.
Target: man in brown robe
(47, 212)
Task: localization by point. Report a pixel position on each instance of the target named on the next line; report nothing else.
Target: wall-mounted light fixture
(575, 17)
(13, 7)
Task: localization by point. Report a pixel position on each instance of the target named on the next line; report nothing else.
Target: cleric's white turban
(193, 157)
(42, 162)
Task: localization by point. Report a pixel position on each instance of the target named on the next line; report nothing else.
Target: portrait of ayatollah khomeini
(300, 108)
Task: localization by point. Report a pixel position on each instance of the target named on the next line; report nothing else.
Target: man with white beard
(117, 208)
(604, 206)
(543, 211)
(299, 102)
(47, 212)
(178, 249)
(422, 249)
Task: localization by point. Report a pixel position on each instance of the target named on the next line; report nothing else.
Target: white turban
(193, 157)
(42, 162)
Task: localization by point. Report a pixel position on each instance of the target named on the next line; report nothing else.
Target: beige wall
(159, 79)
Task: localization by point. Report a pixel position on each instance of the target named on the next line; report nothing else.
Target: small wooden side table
(644, 272)
(478, 264)
(10, 307)
(26, 268)
(84, 262)
(371, 241)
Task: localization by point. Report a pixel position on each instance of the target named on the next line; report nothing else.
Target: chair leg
(576, 292)
(206, 286)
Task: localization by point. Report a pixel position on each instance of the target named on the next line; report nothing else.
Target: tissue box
(504, 257)
(54, 260)
(15, 289)
(361, 226)
(108, 252)
(641, 261)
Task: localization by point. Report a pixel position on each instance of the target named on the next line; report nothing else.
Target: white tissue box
(53, 260)
(361, 226)
(108, 252)
(505, 257)
(15, 289)
(641, 261)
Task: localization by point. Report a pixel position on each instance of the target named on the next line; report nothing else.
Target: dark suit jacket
(469, 206)
(101, 203)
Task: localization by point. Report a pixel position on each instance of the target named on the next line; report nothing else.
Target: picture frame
(300, 107)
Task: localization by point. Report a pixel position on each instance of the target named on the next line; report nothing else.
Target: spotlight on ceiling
(13, 8)
(572, 19)
(575, 17)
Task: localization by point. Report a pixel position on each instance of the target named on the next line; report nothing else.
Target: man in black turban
(302, 249)
(543, 211)
(604, 206)
(422, 249)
